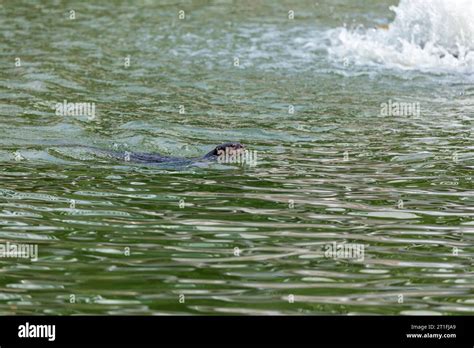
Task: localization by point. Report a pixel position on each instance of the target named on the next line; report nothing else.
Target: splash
(428, 35)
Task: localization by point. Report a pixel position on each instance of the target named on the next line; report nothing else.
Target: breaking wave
(431, 35)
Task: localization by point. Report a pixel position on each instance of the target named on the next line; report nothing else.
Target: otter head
(222, 149)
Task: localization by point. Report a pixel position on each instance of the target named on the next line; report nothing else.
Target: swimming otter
(153, 158)
(150, 158)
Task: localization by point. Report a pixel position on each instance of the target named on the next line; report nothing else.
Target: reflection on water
(123, 238)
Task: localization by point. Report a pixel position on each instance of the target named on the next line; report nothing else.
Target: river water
(313, 88)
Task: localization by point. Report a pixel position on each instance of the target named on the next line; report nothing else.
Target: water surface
(306, 94)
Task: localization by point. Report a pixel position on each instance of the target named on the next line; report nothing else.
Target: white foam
(430, 35)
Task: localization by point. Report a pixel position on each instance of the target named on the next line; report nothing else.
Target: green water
(148, 240)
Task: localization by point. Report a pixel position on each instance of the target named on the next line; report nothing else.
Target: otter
(155, 159)
(151, 158)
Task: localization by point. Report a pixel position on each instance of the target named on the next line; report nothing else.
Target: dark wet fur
(154, 158)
